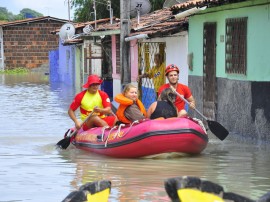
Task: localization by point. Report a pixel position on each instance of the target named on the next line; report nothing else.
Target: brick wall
(28, 45)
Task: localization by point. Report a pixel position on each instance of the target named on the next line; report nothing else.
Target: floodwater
(33, 118)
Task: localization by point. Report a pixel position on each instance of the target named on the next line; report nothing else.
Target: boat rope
(118, 131)
(200, 123)
(109, 135)
(103, 132)
(117, 134)
(137, 121)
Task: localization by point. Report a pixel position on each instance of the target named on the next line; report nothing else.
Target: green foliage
(19, 70)
(156, 4)
(84, 10)
(5, 15)
(28, 11)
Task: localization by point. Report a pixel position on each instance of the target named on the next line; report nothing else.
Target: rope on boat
(103, 132)
(137, 121)
(119, 130)
(200, 123)
(109, 135)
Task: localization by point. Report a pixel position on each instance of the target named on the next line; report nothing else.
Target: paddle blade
(64, 143)
(217, 129)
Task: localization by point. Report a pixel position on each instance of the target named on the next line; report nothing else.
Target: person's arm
(144, 75)
(106, 110)
(72, 115)
(191, 101)
(106, 103)
(151, 109)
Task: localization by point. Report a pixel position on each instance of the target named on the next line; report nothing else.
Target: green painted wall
(258, 38)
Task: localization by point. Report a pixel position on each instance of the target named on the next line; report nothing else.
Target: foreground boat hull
(150, 137)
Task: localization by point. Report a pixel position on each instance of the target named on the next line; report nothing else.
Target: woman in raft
(164, 106)
(130, 108)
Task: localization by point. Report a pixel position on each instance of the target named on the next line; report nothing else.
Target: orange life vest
(124, 103)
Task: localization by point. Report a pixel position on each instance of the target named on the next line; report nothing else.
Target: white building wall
(176, 53)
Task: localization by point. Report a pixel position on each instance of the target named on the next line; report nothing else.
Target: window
(236, 45)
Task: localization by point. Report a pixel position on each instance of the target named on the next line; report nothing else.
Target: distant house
(26, 43)
(79, 55)
(229, 72)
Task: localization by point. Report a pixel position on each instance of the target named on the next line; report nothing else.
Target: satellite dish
(67, 31)
(88, 29)
(139, 7)
(170, 3)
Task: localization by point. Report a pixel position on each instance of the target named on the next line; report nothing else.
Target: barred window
(236, 45)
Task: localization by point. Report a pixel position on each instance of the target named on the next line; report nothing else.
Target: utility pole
(124, 46)
(69, 10)
(95, 13)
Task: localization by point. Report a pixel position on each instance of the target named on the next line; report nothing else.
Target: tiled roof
(158, 23)
(201, 3)
(29, 20)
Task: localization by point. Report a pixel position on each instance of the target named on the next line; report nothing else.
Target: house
(163, 34)
(81, 54)
(26, 43)
(229, 71)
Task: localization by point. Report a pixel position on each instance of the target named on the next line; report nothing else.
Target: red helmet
(170, 68)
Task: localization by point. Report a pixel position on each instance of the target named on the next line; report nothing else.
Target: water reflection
(33, 118)
(234, 167)
(132, 179)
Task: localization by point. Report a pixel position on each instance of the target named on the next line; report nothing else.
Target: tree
(84, 10)
(5, 15)
(24, 13)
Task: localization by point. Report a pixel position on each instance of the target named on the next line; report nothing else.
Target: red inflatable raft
(145, 138)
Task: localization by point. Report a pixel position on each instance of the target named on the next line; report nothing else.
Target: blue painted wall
(54, 66)
(62, 65)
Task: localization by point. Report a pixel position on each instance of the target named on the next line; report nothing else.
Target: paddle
(216, 128)
(64, 143)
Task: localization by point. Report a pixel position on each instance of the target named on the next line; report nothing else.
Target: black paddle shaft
(64, 143)
(216, 128)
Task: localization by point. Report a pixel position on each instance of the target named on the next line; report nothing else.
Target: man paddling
(172, 74)
(92, 100)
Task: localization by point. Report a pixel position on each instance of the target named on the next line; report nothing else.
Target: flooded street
(33, 118)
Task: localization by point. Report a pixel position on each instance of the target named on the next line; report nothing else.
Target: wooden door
(209, 70)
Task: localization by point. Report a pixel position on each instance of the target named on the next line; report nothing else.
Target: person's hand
(97, 110)
(77, 125)
(192, 105)
(139, 78)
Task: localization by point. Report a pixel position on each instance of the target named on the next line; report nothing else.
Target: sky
(53, 8)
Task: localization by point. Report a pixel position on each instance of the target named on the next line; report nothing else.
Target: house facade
(101, 51)
(26, 43)
(229, 72)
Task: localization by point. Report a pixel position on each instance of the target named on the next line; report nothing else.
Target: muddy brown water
(33, 118)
